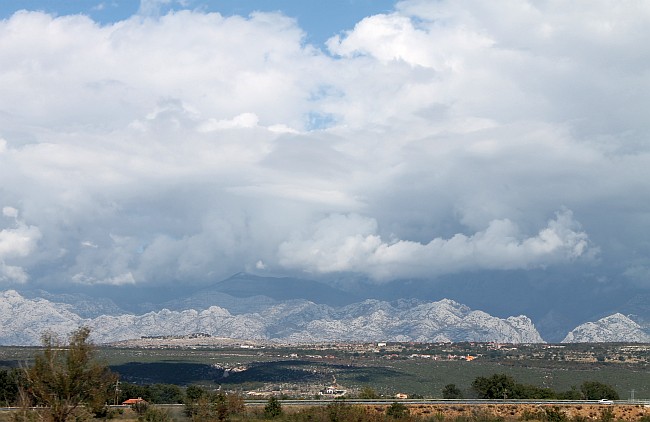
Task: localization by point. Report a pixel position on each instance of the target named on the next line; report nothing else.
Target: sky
(180, 142)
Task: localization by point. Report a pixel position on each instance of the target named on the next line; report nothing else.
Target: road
(465, 402)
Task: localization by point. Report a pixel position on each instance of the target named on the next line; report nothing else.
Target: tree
(193, 393)
(8, 387)
(166, 394)
(65, 377)
(220, 406)
(273, 408)
(572, 394)
(131, 391)
(450, 391)
(594, 390)
(498, 386)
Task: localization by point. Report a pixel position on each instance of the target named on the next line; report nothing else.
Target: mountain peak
(613, 328)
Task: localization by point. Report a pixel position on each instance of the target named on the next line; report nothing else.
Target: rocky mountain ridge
(23, 320)
(612, 328)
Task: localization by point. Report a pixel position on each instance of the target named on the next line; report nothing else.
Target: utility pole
(632, 395)
(117, 391)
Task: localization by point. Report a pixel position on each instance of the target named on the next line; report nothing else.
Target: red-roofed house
(131, 402)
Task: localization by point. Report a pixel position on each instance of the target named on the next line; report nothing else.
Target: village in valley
(260, 369)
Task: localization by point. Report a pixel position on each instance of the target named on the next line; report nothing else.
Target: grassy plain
(304, 370)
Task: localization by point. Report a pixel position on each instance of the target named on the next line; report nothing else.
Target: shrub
(450, 391)
(606, 415)
(273, 408)
(155, 414)
(554, 414)
(397, 410)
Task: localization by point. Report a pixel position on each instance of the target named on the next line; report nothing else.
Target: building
(332, 391)
(131, 402)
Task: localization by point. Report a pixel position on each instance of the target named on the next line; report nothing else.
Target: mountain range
(22, 321)
(231, 309)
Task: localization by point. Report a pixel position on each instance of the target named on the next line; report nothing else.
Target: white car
(605, 401)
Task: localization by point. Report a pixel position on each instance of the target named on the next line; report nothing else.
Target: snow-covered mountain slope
(614, 328)
(23, 320)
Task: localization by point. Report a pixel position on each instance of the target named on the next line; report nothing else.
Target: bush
(554, 414)
(397, 410)
(211, 407)
(485, 416)
(140, 408)
(273, 408)
(155, 414)
(606, 415)
(450, 391)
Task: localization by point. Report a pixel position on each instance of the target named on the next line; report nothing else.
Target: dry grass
(451, 412)
(511, 411)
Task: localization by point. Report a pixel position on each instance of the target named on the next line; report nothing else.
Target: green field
(268, 367)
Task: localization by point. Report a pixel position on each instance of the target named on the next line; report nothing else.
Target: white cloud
(189, 145)
(350, 243)
(244, 120)
(10, 212)
(16, 242)
(19, 241)
(12, 273)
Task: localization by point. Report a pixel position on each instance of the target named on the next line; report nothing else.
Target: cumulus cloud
(16, 242)
(436, 138)
(350, 243)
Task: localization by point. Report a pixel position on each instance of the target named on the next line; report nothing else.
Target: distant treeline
(10, 380)
(497, 386)
(501, 386)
